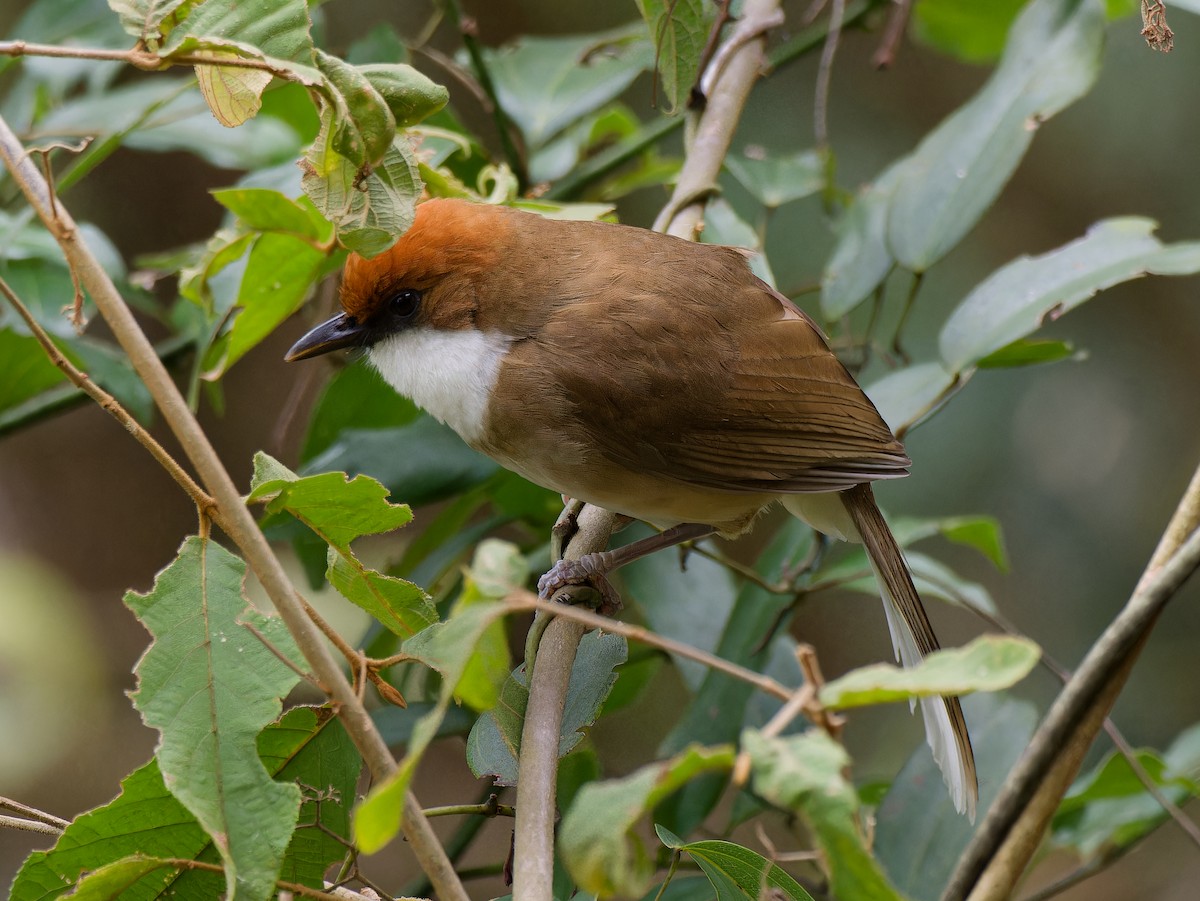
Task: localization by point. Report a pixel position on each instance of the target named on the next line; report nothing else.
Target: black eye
(404, 304)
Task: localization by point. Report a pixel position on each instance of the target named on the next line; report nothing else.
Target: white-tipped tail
(912, 639)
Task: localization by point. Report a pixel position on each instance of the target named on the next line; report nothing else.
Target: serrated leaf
(919, 835)
(678, 31)
(777, 179)
(364, 126)
(989, 663)
(804, 773)
(402, 607)
(1020, 297)
(143, 18)
(207, 722)
(273, 28)
(1051, 58)
(336, 507)
(495, 741)
(370, 208)
(737, 873)
(597, 838)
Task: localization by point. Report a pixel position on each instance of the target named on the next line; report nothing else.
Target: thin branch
(892, 34)
(489, 808)
(526, 600)
(33, 813)
(235, 518)
(23, 825)
(141, 59)
(1005, 841)
(825, 74)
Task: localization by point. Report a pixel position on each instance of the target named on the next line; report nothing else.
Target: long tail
(913, 638)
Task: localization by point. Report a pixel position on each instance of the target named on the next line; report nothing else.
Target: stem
(533, 856)
(1008, 836)
(235, 517)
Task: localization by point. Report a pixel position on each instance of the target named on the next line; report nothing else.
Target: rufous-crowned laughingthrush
(654, 377)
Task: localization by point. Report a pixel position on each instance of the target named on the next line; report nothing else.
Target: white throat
(450, 374)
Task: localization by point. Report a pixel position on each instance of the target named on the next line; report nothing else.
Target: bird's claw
(584, 573)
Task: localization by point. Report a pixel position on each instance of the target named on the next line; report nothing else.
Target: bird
(652, 376)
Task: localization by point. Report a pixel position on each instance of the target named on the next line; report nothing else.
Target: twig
(33, 813)
(489, 808)
(892, 34)
(1008, 836)
(235, 518)
(526, 600)
(825, 74)
(23, 825)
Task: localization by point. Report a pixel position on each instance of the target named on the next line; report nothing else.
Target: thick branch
(235, 517)
(1012, 829)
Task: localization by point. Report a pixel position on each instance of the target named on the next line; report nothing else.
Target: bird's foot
(587, 572)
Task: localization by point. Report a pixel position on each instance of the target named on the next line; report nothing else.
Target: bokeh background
(1081, 462)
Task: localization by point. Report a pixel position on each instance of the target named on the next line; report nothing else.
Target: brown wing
(731, 387)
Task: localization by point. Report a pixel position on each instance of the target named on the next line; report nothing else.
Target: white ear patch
(450, 374)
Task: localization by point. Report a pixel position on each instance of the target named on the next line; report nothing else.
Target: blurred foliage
(370, 134)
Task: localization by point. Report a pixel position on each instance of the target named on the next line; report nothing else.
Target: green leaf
(265, 210)
(408, 94)
(1109, 807)
(209, 685)
(495, 742)
(861, 259)
(678, 30)
(1051, 59)
(804, 773)
(447, 647)
(278, 29)
(364, 126)
(370, 207)
(737, 873)
(145, 19)
(780, 179)
(597, 837)
(1027, 352)
(989, 663)
(546, 83)
(280, 272)
(1020, 297)
(309, 747)
(25, 370)
(980, 532)
(421, 462)
(918, 834)
(973, 32)
(907, 397)
(337, 508)
(113, 880)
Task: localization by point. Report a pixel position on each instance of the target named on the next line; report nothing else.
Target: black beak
(340, 331)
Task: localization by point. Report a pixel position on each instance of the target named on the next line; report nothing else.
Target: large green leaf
(918, 834)
(210, 685)
(974, 32)
(777, 179)
(25, 370)
(1051, 59)
(861, 259)
(356, 397)
(1020, 297)
(597, 837)
(805, 773)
